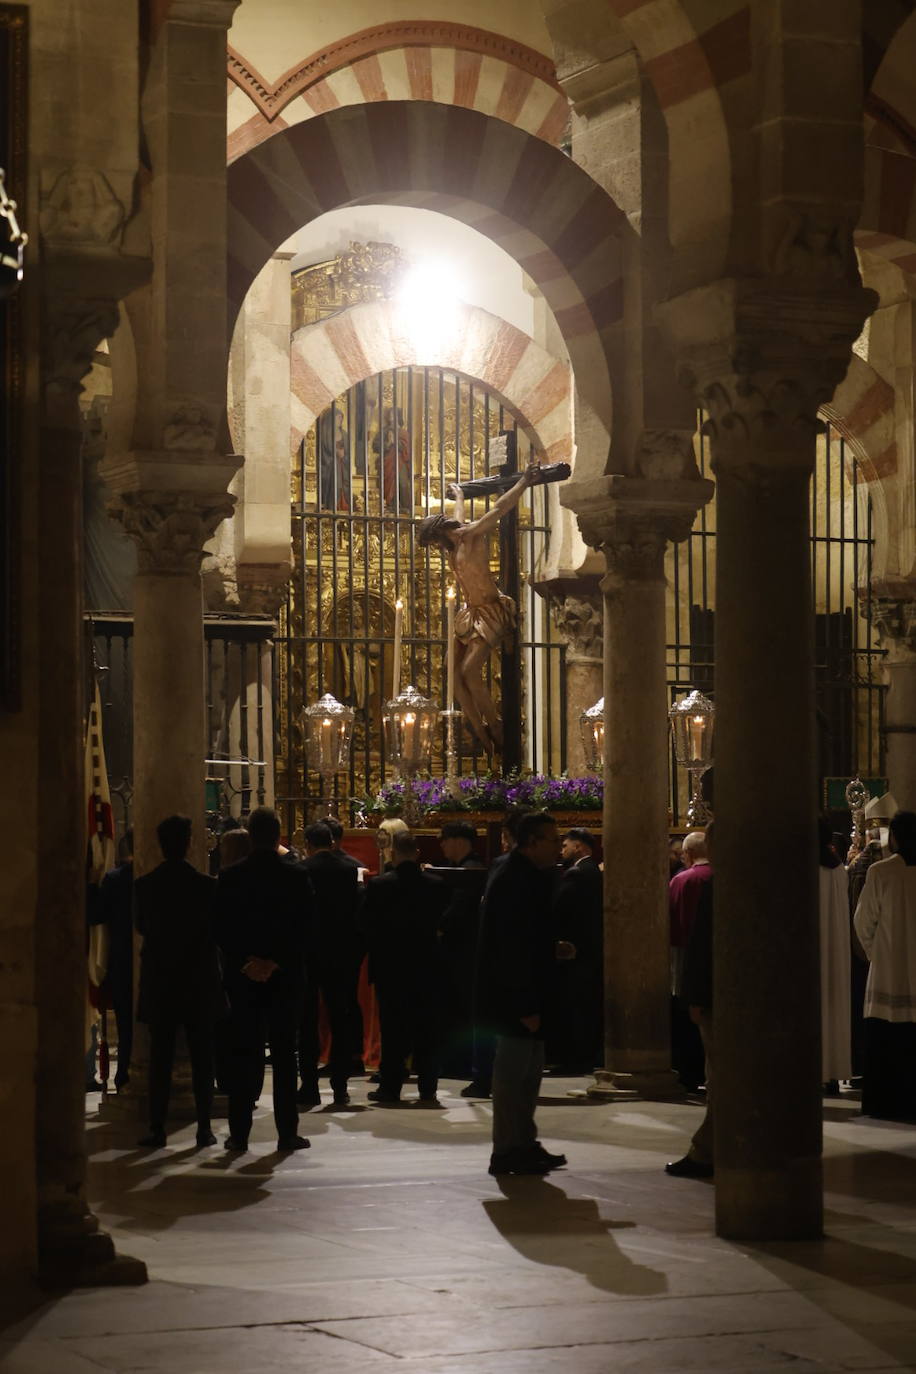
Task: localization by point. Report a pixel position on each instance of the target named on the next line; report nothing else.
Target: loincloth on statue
(490, 621)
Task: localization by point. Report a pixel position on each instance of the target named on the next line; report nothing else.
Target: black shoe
(293, 1142)
(154, 1141)
(688, 1168)
(341, 1099)
(383, 1099)
(236, 1147)
(475, 1089)
(93, 1086)
(205, 1137)
(428, 1102)
(519, 1162)
(552, 1161)
(308, 1097)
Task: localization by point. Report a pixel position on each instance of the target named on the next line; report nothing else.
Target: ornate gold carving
(366, 272)
(171, 527)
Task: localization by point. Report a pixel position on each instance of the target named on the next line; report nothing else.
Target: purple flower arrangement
(491, 794)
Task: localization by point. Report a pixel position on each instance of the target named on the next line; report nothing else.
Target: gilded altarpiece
(377, 460)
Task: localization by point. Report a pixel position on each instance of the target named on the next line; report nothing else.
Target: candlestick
(409, 751)
(450, 649)
(327, 747)
(696, 731)
(396, 675)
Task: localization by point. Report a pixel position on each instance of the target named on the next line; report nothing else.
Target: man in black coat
(516, 966)
(179, 976)
(333, 972)
(265, 911)
(403, 915)
(460, 925)
(578, 1039)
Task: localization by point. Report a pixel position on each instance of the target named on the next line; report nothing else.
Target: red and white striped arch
(453, 64)
(863, 410)
(326, 359)
(547, 213)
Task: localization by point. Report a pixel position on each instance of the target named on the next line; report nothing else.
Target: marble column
(632, 519)
(71, 1248)
(894, 610)
(773, 352)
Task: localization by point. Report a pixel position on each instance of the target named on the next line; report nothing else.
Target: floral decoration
(489, 794)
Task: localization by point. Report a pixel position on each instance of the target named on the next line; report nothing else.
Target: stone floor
(387, 1247)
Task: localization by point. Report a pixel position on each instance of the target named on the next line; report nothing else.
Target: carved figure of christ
(487, 615)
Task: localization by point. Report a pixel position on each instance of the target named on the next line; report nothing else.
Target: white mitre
(881, 808)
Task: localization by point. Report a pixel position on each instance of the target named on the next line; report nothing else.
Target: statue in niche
(487, 616)
(333, 461)
(393, 442)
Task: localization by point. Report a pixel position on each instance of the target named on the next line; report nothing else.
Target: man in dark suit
(179, 976)
(265, 911)
(333, 971)
(460, 923)
(516, 965)
(578, 1039)
(403, 914)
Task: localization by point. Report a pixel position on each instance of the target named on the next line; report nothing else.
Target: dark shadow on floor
(880, 1175)
(544, 1224)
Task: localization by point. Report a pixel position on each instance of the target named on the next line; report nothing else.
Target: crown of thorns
(432, 529)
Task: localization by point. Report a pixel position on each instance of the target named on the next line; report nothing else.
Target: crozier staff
(488, 615)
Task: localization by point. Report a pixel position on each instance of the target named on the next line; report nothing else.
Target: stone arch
(452, 64)
(547, 213)
(693, 55)
(328, 358)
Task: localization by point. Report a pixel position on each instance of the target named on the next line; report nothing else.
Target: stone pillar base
(659, 1086)
(74, 1253)
(770, 1204)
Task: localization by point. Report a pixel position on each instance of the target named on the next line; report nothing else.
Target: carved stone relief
(666, 455)
(580, 619)
(895, 620)
(81, 208)
(190, 430)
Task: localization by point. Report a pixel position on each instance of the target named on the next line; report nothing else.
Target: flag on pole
(101, 851)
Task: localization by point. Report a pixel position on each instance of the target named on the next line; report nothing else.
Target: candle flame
(409, 718)
(399, 605)
(325, 722)
(699, 720)
(450, 594)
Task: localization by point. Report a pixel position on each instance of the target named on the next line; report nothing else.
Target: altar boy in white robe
(836, 963)
(885, 923)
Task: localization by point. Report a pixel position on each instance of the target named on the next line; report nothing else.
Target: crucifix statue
(487, 616)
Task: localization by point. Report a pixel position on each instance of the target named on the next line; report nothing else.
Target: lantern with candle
(410, 725)
(591, 730)
(328, 729)
(692, 721)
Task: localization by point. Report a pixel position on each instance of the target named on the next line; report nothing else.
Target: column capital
(893, 602)
(762, 355)
(633, 519)
(579, 616)
(169, 505)
(170, 527)
(262, 587)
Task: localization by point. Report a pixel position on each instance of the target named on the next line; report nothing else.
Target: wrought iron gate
(381, 457)
(848, 679)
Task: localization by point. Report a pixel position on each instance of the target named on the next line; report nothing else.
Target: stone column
(631, 519)
(895, 619)
(71, 1249)
(761, 357)
(579, 617)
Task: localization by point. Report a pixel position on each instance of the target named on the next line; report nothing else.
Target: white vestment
(836, 973)
(885, 923)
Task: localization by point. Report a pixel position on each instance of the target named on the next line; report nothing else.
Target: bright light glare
(429, 301)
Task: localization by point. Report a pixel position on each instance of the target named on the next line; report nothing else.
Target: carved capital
(262, 587)
(74, 328)
(171, 528)
(580, 619)
(632, 520)
(893, 608)
(762, 356)
(81, 210)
